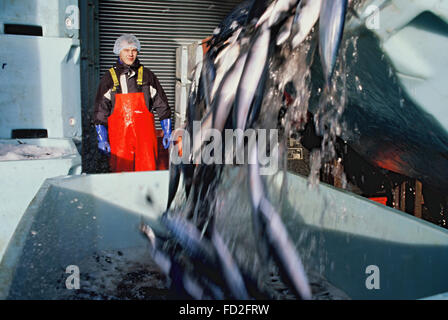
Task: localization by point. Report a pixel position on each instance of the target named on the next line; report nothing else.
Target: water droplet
(391, 72)
(402, 102)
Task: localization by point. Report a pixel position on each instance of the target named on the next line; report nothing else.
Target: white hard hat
(126, 41)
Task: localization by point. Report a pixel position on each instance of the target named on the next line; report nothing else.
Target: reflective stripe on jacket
(155, 97)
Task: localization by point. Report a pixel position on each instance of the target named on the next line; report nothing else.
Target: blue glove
(166, 127)
(103, 143)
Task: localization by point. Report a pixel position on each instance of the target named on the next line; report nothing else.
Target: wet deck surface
(118, 275)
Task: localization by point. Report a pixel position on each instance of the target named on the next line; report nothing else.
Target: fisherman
(123, 118)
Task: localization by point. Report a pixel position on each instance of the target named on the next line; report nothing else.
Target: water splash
(289, 91)
(328, 119)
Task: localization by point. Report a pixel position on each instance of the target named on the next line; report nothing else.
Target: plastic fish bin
(24, 166)
(75, 219)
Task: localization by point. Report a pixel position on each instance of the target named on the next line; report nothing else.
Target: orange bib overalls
(132, 133)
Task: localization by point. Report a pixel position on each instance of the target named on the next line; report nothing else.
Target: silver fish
(208, 75)
(284, 250)
(331, 26)
(280, 8)
(169, 266)
(255, 182)
(224, 61)
(276, 240)
(221, 105)
(231, 272)
(307, 14)
(160, 258)
(253, 70)
(213, 254)
(228, 91)
(256, 195)
(265, 16)
(189, 237)
(285, 31)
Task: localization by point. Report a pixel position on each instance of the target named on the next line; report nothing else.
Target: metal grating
(161, 27)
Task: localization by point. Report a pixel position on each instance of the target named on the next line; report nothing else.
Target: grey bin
(21, 179)
(73, 218)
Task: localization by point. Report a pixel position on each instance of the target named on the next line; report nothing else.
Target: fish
(280, 9)
(204, 186)
(209, 254)
(266, 14)
(188, 236)
(291, 268)
(331, 26)
(285, 31)
(227, 91)
(255, 109)
(237, 18)
(185, 284)
(258, 9)
(257, 193)
(196, 248)
(222, 103)
(230, 270)
(208, 74)
(273, 236)
(189, 284)
(307, 14)
(224, 61)
(250, 78)
(229, 94)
